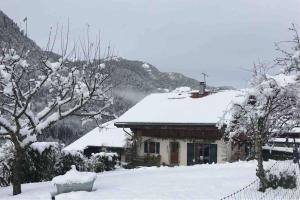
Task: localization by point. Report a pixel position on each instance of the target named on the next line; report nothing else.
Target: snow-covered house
(179, 128)
(106, 137)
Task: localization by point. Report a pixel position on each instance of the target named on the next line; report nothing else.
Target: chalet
(179, 128)
(106, 137)
(282, 146)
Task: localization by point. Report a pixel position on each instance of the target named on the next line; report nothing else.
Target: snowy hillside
(133, 80)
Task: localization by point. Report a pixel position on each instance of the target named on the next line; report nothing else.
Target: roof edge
(156, 124)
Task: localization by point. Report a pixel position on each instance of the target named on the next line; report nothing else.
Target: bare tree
(270, 105)
(71, 86)
(290, 51)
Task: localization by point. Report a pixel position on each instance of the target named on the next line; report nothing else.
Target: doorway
(174, 153)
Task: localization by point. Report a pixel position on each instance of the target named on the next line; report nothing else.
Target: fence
(250, 191)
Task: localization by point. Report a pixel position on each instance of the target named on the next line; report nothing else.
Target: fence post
(296, 153)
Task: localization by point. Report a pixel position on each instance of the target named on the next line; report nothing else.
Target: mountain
(133, 80)
(136, 79)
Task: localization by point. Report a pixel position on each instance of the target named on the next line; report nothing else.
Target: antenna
(204, 77)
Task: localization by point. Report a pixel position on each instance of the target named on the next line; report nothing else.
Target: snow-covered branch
(71, 88)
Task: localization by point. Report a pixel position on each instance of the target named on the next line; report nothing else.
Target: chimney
(202, 86)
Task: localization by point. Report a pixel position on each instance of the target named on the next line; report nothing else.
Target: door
(174, 153)
(190, 153)
(213, 153)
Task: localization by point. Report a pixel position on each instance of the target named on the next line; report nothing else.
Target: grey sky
(220, 37)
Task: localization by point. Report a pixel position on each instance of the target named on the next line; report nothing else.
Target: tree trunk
(17, 171)
(260, 172)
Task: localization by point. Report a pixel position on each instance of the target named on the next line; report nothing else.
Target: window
(152, 147)
(198, 153)
(157, 147)
(146, 147)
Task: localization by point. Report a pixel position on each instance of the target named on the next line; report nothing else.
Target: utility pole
(204, 77)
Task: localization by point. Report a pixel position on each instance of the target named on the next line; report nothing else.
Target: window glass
(157, 147)
(146, 147)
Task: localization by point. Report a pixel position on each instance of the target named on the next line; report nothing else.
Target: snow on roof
(296, 130)
(107, 135)
(180, 108)
(283, 140)
(281, 149)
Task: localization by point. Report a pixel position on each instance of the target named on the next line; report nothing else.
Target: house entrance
(174, 153)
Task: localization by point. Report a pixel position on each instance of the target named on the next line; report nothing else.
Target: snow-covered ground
(193, 182)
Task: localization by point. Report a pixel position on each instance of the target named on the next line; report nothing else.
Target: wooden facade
(178, 144)
(184, 132)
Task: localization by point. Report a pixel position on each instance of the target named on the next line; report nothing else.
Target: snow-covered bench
(73, 180)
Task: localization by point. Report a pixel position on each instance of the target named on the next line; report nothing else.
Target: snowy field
(193, 182)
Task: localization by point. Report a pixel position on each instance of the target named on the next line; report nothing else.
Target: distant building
(281, 146)
(107, 137)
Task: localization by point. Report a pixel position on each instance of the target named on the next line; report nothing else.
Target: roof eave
(159, 124)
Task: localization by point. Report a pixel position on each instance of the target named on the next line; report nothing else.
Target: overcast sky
(221, 38)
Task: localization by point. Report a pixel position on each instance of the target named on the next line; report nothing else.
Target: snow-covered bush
(103, 161)
(67, 159)
(6, 158)
(43, 161)
(39, 162)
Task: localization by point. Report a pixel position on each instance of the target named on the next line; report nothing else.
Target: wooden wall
(207, 132)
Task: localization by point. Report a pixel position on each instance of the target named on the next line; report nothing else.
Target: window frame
(151, 144)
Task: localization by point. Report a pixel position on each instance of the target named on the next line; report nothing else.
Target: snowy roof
(107, 135)
(179, 108)
(283, 140)
(281, 149)
(296, 130)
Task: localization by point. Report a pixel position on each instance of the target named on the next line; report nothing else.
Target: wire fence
(250, 191)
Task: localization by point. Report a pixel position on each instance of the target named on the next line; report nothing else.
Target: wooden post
(296, 153)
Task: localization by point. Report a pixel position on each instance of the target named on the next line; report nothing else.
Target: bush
(67, 159)
(152, 160)
(103, 161)
(39, 162)
(6, 159)
(285, 179)
(45, 160)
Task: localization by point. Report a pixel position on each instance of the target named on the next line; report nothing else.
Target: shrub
(6, 159)
(103, 161)
(67, 159)
(285, 179)
(45, 160)
(152, 160)
(39, 161)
